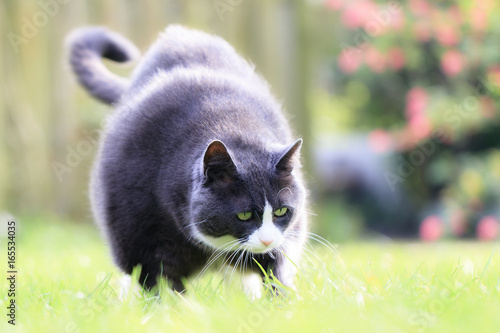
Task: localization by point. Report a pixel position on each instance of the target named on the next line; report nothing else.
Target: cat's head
(247, 198)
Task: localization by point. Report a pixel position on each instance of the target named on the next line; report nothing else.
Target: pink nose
(266, 242)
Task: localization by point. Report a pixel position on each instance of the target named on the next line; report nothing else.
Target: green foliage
(433, 77)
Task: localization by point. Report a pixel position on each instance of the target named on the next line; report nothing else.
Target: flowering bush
(433, 74)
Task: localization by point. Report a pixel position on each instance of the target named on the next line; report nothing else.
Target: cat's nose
(266, 242)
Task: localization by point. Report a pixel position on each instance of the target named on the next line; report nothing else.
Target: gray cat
(197, 159)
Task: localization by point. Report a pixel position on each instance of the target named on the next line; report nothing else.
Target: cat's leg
(287, 262)
(154, 270)
(280, 269)
(178, 286)
(252, 285)
(285, 266)
(284, 271)
(153, 242)
(125, 287)
(166, 262)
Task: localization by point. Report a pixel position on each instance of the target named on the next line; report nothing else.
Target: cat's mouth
(263, 242)
(260, 248)
(254, 243)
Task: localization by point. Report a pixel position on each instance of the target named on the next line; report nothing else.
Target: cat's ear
(218, 164)
(288, 159)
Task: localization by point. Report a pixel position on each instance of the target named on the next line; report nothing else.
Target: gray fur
(87, 46)
(196, 136)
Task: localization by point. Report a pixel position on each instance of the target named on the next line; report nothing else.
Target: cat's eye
(280, 212)
(244, 216)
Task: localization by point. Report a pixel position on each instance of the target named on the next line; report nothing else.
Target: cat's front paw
(252, 285)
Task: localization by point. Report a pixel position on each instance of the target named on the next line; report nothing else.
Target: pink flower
(334, 4)
(419, 7)
(455, 15)
(381, 20)
(420, 126)
(358, 13)
(488, 228)
(374, 59)
(494, 75)
(447, 34)
(351, 17)
(458, 222)
(396, 58)
(349, 60)
(487, 106)
(397, 20)
(431, 229)
(422, 31)
(480, 15)
(380, 141)
(452, 62)
(478, 19)
(416, 101)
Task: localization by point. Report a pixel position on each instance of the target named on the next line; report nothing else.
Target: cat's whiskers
(192, 238)
(243, 265)
(280, 249)
(311, 252)
(226, 252)
(233, 254)
(223, 249)
(219, 251)
(208, 264)
(238, 262)
(318, 239)
(284, 188)
(323, 241)
(309, 247)
(246, 260)
(189, 225)
(271, 254)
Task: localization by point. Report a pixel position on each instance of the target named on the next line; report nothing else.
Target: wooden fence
(45, 118)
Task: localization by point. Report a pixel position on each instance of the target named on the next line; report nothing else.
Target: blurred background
(397, 102)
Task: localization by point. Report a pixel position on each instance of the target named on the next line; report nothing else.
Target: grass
(67, 283)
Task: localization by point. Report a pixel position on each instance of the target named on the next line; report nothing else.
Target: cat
(196, 160)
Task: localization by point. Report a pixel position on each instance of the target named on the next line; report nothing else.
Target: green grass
(68, 283)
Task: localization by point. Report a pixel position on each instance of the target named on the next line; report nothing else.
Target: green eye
(244, 216)
(280, 212)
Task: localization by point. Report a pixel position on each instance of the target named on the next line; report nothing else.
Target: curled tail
(87, 46)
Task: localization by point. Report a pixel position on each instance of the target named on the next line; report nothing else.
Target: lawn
(67, 283)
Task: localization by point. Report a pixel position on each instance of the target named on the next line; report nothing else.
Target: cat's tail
(86, 47)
